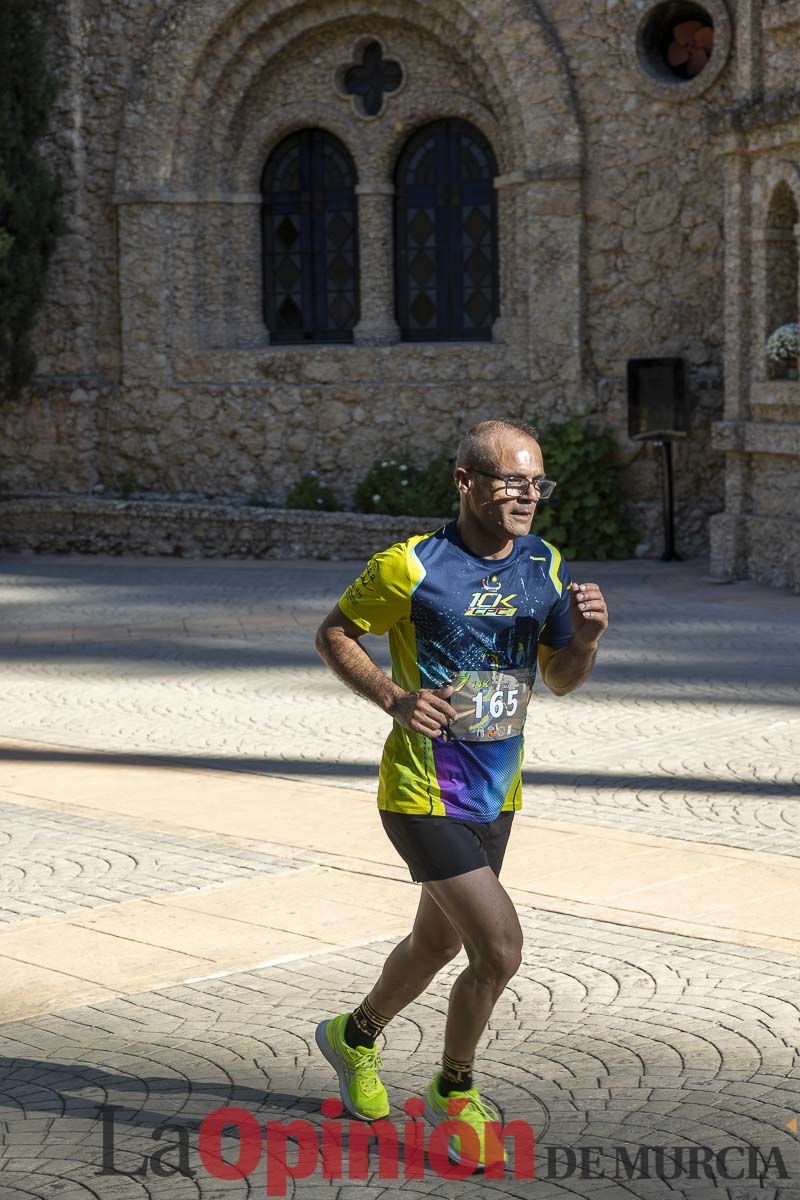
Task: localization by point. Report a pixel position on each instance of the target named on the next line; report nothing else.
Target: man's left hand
(588, 611)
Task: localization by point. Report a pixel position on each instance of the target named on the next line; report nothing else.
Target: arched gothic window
(446, 235)
(782, 257)
(310, 239)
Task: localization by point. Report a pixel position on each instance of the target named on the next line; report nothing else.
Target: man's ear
(462, 480)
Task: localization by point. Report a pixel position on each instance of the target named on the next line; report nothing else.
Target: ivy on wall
(30, 210)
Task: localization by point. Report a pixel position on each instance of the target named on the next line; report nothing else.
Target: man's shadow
(57, 1090)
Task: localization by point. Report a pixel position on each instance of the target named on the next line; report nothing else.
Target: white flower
(313, 474)
(403, 467)
(784, 343)
(384, 464)
(403, 483)
(319, 499)
(375, 499)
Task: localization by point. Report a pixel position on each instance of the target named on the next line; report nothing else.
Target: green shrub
(311, 493)
(435, 495)
(401, 489)
(387, 488)
(585, 517)
(30, 204)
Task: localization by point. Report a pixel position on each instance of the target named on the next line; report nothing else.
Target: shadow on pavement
(47, 1086)
(283, 768)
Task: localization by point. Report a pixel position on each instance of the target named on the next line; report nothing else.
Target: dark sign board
(657, 398)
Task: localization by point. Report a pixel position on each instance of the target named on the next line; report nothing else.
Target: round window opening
(676, 41)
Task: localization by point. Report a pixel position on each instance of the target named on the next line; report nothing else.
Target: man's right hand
(425, 711)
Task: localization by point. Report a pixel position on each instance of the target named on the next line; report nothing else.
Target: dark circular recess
(657, 43)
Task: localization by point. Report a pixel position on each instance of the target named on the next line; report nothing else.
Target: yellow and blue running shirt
(446, 610)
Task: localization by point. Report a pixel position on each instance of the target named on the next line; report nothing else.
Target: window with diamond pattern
(446, 235)
(310, 236)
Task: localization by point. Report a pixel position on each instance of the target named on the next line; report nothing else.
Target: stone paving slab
(670, 783)
(607, 1038)
(323, 895)
(689, 727)
(28, 990)
(60, 862)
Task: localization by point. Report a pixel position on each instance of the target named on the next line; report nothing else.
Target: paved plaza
(192, 874)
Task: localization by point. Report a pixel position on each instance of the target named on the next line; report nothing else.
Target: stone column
(750, 38)
(545, 286)
(143, 275)
(511, 326)
(728, 557)
(738, 278)
(728, 532)
(377, 326)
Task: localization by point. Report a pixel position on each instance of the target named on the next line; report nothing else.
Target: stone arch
(275, 124)
(200, 121)
(781, 228)
(784, 199)
(246, 87)
(445, 104)
(374, 157)
(205, 55)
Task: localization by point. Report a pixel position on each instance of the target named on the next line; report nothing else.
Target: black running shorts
(441, 847)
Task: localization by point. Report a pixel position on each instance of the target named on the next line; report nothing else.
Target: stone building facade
(639, 214)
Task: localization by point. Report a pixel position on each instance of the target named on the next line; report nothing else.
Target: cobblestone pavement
(53, 862)
(609, 1037)
(689, 728)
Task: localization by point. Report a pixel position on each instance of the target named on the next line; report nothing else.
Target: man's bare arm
(566, 669)
(338, 644)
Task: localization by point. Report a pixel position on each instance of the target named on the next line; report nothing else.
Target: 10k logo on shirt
(489, 602)
(485, 604)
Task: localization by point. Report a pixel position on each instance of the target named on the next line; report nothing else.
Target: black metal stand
(670, 554)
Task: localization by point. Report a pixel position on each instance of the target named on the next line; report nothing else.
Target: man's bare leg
(414, 962)
(474, 907)
(480, 909)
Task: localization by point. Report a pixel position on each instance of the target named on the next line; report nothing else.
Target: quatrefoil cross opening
(372, 78)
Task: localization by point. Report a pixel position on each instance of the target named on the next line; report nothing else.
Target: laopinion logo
(336, 1148)
(342, 1149)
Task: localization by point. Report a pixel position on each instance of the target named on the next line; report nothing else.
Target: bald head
(480, 445)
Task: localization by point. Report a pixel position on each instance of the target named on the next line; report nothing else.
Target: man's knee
(434, 950)
(498, 962)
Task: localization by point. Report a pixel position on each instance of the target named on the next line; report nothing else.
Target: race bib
(491, 705)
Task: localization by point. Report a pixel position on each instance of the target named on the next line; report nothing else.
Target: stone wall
(49, 438)
(758, 534)
(157, 373)
(191, 529)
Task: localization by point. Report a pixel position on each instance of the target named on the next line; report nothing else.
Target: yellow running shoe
(470, 1108)
(360, 1086)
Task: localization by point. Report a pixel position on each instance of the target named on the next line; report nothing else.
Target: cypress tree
(30, 208)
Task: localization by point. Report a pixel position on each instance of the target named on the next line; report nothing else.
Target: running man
(471, 611)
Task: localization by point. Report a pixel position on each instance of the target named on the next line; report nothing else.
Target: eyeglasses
(517, 485)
